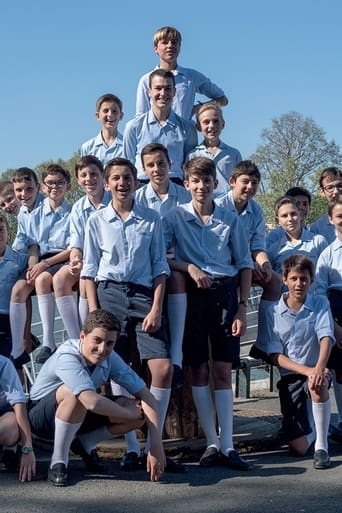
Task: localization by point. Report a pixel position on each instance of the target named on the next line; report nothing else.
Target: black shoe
(57, 475)
(234, 461)
(209, 458)
(35, 342)
(130, 461)
(44, 354)
(335, 433)
(177, 378)
(91, 461)
(11, 459)
(321, 459)
(174, 467)
(21, 360)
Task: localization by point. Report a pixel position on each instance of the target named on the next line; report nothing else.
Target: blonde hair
(166, 34)
(209, 106)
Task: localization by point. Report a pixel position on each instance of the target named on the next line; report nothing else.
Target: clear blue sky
(270, 57)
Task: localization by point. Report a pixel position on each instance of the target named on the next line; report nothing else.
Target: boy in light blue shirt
(211, 249)
(160, 125)
(125, 270)
(299, 343)
(210, 122)
(89, 173)
(188, 82)
(48, 241)
(108, 143)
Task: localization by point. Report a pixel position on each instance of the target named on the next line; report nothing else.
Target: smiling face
(55, 187)
(201, 187)
(90, 179)
(97, 345)
(156, 167)
(9, 203)
(161, 92)
(121, 183)
(244, 188)
(298, 283)
(110, 115)
(331, 188)
(26, 192)
(210, 123)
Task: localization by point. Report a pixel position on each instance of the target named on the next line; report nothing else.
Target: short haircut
(299, 263)
(163, 73)
(209, 106)
(298, 191)
(200, 166)
(108, 97)
(25, 174)
(120, 161)
(331, 173)
(246, 167)
(101, 319)
(6, 186)
(332, 204)
(3, 219)
(284, 200)
(152, 148)
(54, 169)
(88, 160)
(166, 34)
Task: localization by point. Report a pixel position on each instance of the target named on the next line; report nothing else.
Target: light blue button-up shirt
(80, 212)
(97, 147)
(324, 227)
(49, 229)
(188, 83)
(24, 219)
(219, 247)
(251, 218)
(310, 245)
(329, 269)
(132, 250)
(11, 390)
(12, 264)
(225, 160)
(297, 335)
(178, 135)
(67, 366)
(176, 195)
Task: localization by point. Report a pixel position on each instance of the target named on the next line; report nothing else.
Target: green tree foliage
(293, 152)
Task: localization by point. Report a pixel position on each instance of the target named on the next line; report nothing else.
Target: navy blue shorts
(293, 395)
(5, 335)
(209, 318)
(130, 303)
(42, 417)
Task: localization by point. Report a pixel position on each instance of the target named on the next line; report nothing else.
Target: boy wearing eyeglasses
(330, 186)
(47, 242)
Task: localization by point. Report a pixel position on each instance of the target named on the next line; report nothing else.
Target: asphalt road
(277, 484)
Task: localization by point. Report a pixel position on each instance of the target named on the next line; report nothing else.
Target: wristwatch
(242, 302)
(26, 450)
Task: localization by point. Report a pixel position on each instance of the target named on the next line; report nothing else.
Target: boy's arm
(200, 277)
(152, 321)
(240, 319)
(44, 264)
(90, 288)
(263, 267)
(28, 461)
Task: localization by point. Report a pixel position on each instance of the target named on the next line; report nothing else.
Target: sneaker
(177, 378)
(321, 459)
(57, 475)
(234, 461)
(209, 458)
(11, 459)
(91, 460)
(44, 354)
(130, 461)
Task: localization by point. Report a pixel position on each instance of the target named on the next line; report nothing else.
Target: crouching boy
(300, 345)
(64, 402)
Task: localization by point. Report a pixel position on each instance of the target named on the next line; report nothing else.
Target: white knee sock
(206, 414)
(46, 306)
(17, 321)
(68, 311)
(264, 327)
(91, 439)
(162, 396)
(224, 409)
(176, 309)
(83, 309)
(338, 396)
(64, 435)
(321, 414)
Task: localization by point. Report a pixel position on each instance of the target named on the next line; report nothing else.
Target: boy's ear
(215, 183)
(231, 181)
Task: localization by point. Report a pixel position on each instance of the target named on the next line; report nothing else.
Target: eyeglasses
(52, 185)
(332, 187)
